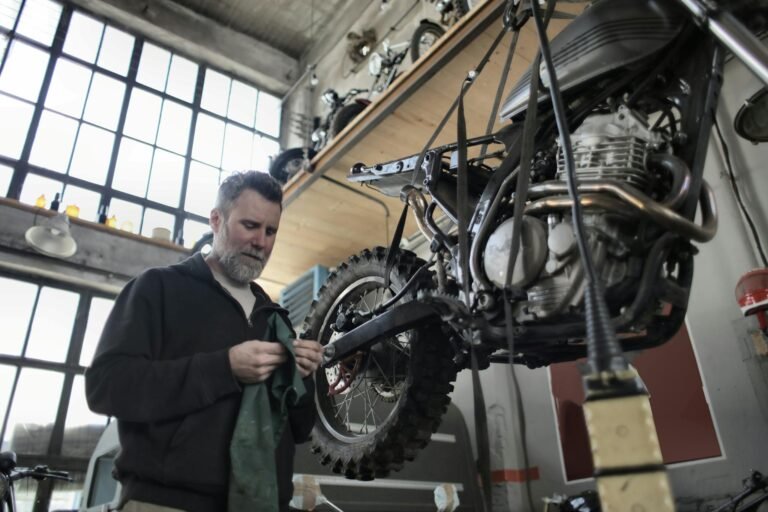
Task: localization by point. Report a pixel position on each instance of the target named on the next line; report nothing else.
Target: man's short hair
(261, 182)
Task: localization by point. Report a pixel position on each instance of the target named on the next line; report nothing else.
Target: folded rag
(260, 422)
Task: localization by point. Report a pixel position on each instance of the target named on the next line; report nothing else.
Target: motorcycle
(383, 66)
(640, 82)
(341, 111)
(429, 31)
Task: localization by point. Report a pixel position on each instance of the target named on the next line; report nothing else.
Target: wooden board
(324, 223)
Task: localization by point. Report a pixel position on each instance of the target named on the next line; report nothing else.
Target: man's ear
(215, 220)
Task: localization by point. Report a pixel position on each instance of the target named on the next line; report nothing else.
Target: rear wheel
(344, 116)
(425, 35)
(377, 408)
(288, 163)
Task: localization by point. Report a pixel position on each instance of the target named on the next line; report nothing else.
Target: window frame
(22, 167)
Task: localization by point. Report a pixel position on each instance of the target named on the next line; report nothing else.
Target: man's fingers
(266, 347)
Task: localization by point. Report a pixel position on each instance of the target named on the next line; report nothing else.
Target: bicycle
(10, 474)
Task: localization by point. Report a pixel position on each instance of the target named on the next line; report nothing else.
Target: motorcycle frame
(545, 344)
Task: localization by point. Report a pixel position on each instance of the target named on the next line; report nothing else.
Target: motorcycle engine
(611, 146)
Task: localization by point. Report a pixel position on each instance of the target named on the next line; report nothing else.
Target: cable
(604, 351)
(739, 199)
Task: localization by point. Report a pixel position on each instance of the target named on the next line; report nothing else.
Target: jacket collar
(196, 267)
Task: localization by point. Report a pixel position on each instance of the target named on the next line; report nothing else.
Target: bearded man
(209, 396)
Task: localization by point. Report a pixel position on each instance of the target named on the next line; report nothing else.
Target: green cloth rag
(260, 422)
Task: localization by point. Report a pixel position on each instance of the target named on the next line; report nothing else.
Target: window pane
(201, 189)
(174, 127)
(237, 148)
(153, 66)
(35, 185)
(128, 215)
(116, 50)
(165, 180)
(156, 219)
(82, 427)
(263, 150)
(33, 411)
(53, 142)
(3, 38)
(69, 86)
(132, 169)
(23, 71)
(26, 492)
(39, 20)
(97, 317)
(92, 153)
(18, 301)
(87, 200)
(194, 231)
(105, 99)
(268, 114)
(7, 374)
(182, 78)
(215, 92)
(242, 103)
(83, 37)
(52, 325)
(6, 173)
(16, 116)
(143, 115)
(9, 9)
(209, 135)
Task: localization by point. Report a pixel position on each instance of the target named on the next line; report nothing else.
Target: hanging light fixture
(52, 237)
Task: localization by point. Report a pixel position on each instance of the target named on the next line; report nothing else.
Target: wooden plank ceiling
(324, 223)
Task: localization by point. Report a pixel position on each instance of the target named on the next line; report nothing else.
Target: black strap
(481, 435)
(521, 196)
(500, 89)
(478, 69)
(394, 247)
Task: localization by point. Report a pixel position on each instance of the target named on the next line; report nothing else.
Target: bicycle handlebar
(40, 473)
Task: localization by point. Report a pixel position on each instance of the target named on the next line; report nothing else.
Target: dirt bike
(341, 111)
(383, 66)
(10, 474)
(639, 82)
(429, 31)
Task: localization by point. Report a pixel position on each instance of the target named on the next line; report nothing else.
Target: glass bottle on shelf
(103, 214)
(56, 202)
(41, 201)
(112, 221)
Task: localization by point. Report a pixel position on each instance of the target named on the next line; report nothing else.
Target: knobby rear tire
(418, 399)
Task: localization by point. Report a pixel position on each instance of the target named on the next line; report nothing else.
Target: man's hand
(254, 361)
(309, 355)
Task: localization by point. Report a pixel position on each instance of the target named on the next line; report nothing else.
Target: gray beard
(232, 263)
(238, 271)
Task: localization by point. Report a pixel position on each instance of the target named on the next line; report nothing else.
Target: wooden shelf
(324, 223)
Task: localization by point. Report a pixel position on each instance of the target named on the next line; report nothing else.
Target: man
(180, 346)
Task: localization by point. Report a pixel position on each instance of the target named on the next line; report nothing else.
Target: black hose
(604, 350)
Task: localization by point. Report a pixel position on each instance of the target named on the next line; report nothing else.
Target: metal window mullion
(130, 82)
(12, 35)
(10, 403)
(31, 321)
(20, 171)
(178, 228)
(72, 359)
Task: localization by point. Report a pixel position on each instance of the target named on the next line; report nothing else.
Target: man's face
(243, 240)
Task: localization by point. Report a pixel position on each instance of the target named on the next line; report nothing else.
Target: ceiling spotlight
(52, 238)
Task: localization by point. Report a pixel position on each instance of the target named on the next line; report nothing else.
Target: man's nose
(257, 239)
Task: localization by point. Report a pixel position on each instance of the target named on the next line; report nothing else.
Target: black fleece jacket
(162, 369)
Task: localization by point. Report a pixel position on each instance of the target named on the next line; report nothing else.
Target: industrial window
(110, 120)
(49, 336)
